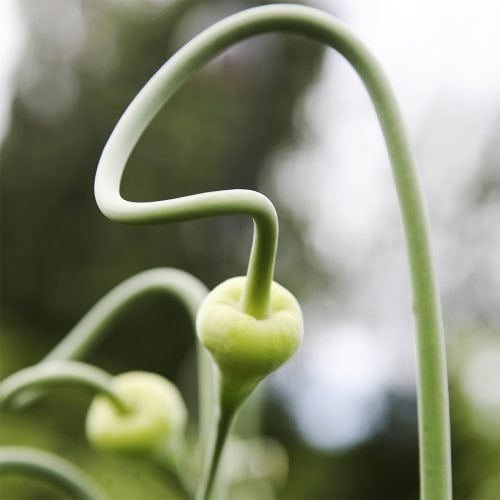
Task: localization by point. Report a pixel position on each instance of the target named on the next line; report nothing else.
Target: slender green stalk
(434, 430)
(57, 373)
(214, 455)
(96, 323)
(28, 460)
(177, 460)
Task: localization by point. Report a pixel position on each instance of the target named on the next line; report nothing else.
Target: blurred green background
(81, 64)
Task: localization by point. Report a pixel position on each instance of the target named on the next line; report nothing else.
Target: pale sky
(11, 40)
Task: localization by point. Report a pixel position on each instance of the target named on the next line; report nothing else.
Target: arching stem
(58, 373)
(96, 323)
(63, 473)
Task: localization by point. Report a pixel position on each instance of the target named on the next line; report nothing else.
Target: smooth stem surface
(214, 454)
(432, 389)
(256, 296)
(15, 459)
(58, 373)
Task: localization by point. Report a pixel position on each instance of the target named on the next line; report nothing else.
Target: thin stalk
(61, 472)
(57, 373)
(206, 397)
(214, 454)
(96, 323)
(176, 458)
(177, 463)
(229, 403)
(432, 389)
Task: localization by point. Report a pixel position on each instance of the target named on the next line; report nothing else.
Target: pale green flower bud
(156, 415)
(245, 348)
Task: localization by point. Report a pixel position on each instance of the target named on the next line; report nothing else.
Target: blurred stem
(214, 454)
(91, 328)
(57, 470)
(176, 459)
(249, 422)
(57, 373)
(433, 404)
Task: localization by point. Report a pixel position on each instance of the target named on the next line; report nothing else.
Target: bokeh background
(283, 115)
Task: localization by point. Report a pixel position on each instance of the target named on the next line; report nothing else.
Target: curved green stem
(256, 296)
(92, 327)
(434, 431)
(61, 472)
(141, 111)
(57, 373)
